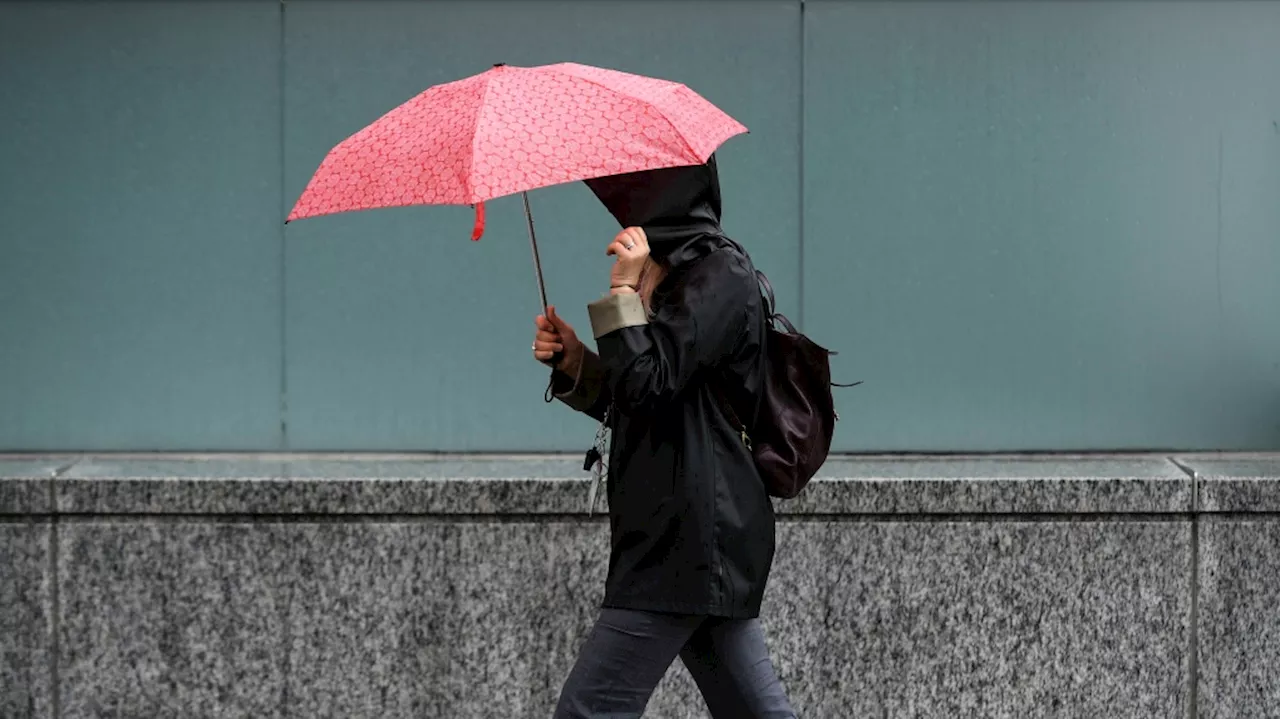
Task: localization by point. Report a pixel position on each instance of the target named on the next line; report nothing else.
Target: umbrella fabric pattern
(511, 129)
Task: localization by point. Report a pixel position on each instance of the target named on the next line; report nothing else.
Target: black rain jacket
(692, 526)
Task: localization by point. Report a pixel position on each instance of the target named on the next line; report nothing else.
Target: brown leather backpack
(791, 436)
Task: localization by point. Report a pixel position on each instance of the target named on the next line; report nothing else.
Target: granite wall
(314, 586)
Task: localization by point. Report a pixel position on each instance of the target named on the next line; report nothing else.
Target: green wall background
(1026, 225)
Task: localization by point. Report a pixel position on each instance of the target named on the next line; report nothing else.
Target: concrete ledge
(1236, 483)
(24, 483)
(303, 484)
(997, 485)
(309, 485)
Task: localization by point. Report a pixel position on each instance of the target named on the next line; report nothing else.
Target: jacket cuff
(615, 312)
(583, 394)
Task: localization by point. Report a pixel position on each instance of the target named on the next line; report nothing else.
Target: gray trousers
(628, 652)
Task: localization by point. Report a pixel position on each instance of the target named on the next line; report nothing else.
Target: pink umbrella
(513, 129)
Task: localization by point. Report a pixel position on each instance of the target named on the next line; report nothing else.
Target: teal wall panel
(140, 245)
(1046, 225)
(403, 334)
(1035, 225)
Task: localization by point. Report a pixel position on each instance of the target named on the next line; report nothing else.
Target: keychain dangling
(595, 461)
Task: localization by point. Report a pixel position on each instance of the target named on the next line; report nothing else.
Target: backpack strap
(766, 293)
(771, 316)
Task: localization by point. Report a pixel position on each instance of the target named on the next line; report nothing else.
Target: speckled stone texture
(995, 485)
(399, 619)
(1237, 483)
(558, 485)
(25, 483)
(25, 621)
(302, 485)
(984, 619)
(409, 586)
(927, 619)
(1239, 618)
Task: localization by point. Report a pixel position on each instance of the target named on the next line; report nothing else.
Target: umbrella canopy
(513, 129)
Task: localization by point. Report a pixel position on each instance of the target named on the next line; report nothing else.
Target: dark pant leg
(729, 660)
(621, 663)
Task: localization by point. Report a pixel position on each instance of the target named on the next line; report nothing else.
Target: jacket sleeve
(586, 392)
(649, 362)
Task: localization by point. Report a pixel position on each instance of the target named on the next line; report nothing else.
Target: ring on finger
(628, 246)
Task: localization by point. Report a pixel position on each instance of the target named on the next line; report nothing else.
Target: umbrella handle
(537, 267)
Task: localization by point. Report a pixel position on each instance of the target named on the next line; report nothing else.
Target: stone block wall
(403, 586)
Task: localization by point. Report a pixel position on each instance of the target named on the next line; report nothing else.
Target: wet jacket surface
(692, 527)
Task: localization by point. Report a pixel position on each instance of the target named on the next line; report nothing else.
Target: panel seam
(1193, 640)
(55, 608)
(284, 254)
(804, 59)
(1193, 659)
(55, 596)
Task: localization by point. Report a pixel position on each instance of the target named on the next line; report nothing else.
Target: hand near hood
(631, 247)
(677, 207)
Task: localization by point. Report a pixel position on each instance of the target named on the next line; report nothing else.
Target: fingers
(547, 342)
(630, 243)
(547, 334)
(636, 237)
(617, 248)
(546, 345)
(551, 322)
(546, 350)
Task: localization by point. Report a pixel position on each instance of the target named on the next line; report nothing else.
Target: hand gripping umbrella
(510, 130)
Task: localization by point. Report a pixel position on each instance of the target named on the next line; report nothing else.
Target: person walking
(680, 333)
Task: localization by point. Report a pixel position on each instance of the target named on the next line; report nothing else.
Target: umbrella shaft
(542, 287)
(537, 260)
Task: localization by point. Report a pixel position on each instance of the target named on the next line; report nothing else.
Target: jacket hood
(678, 208)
